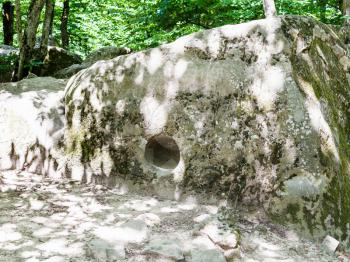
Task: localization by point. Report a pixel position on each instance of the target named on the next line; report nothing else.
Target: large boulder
(256, 113)
(31, 125)
(8, 57)
(103, 53)
(55, 60)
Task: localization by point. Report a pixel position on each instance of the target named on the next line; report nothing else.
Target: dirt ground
(44, 220)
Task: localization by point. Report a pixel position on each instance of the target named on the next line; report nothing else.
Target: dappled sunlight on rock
(92, 223)
(133, 231)
(169, 210)
(201, 218)
(144, 156)
(8, 233)
(61, 246)
(140, 204)
(149, 218)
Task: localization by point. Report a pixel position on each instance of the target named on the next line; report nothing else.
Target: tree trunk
(7, 20)
(29, 36)
(322, 4)
(269, 8)
(47, 27)
(64, 25)
(345, 9)
(18, 22)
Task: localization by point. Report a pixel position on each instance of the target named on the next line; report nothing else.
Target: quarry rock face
(31, 125)
(256, 113)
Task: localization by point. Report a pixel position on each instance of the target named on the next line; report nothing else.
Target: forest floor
(44, 220)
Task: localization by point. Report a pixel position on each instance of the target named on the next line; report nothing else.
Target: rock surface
(55, 60)
(31, 125)
(103, 53)
(255, 113)
(64, 228)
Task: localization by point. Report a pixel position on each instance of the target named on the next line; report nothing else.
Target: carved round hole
(162, 152)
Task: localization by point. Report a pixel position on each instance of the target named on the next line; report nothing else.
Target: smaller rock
(149, 218)
(224, 238)
(201, 218)
(100, 250)
(55, 259)
(165, 247)
(103, 53)
(210, 255)
(70, 71)
(31, 75)
(106, 53)
(203, 242)
(36, 204)
(232, 253)
(56, 59)
(330, 243)
(132, 231)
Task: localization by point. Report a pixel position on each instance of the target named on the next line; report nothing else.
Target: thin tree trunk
(269, 8)
(345, 9)
(28, 40)
(18, 22)
(47, 27)
(64, 24)
(7, 21)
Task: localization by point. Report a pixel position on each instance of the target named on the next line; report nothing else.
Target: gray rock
(165, 247)
(101, 251)
(6, 50)
(103, 53)
(55, 60)
(330, 243)
(31, 124)
(206, 255)
(70, 71)
(132, 231)
(255, 112)
(220, 236)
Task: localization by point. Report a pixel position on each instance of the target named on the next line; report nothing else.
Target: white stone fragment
(330, 243)
(223, 238)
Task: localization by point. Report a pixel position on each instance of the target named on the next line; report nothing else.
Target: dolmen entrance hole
(162, 152)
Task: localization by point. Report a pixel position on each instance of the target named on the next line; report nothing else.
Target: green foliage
(141, 24)
(7, 62)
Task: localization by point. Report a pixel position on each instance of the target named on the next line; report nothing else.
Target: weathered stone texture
(31, 125)
(103, 53)
(259, 112)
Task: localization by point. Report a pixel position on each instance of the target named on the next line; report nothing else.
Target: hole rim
(159, 139)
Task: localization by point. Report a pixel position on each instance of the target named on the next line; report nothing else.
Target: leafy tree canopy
(140, 24)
